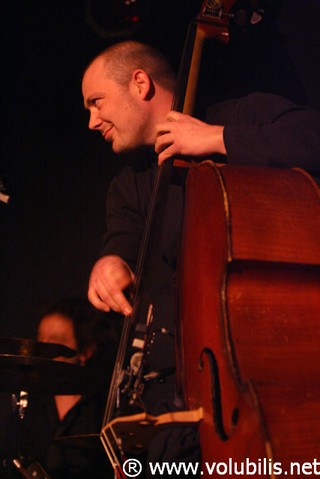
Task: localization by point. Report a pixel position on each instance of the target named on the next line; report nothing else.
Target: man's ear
(86, 355)
(142, 84)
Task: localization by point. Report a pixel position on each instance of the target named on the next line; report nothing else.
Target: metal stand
(34, 470)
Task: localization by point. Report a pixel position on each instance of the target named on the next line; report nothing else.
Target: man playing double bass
(128, 90)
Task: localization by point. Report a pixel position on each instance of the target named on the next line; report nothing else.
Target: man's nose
(94, 121)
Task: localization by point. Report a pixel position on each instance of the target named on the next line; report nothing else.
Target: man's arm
(113, 273)
(260, 129)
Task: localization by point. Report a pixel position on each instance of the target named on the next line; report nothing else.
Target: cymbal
(29, 347)
(46, 376)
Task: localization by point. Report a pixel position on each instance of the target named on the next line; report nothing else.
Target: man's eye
(97, 102)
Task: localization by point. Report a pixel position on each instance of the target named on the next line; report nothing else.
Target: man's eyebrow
(90, 101)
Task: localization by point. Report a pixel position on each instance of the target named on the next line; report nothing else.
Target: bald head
(123, 58)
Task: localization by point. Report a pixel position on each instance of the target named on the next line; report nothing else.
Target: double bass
(242, 330)
(249, 324)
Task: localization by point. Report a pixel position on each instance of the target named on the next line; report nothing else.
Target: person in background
(71, 322)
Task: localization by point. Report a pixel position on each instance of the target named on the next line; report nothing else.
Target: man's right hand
(109, 277)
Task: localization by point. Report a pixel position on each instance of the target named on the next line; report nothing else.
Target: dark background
(56, 170)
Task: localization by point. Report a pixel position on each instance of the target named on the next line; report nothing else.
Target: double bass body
(249, 304)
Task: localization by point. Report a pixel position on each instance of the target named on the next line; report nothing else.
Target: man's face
(56, 328)
(115, 111)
